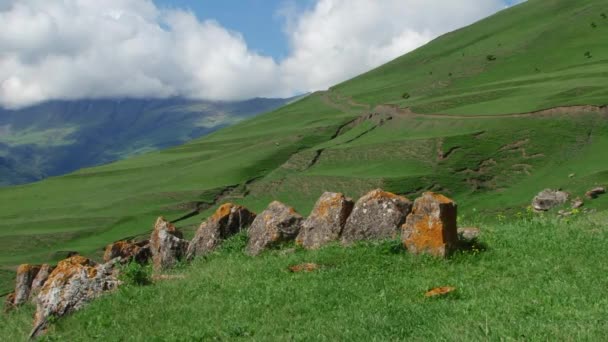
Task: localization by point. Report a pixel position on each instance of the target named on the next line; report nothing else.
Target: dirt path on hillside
(347, 103)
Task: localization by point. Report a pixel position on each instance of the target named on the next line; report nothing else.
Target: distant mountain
(57, 137)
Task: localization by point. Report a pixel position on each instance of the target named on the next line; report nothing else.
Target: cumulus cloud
(73, 49)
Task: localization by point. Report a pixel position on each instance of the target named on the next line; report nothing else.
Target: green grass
(490, 163)
(537, 280)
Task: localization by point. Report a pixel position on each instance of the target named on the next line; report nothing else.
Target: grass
(537, 280)
(490, 163)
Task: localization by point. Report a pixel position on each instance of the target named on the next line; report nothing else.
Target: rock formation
(376, 216)
(72, 284)
(326, 220)
(278, 223)
(40, 280)
(227, 220)
(431, 227)
(128, 251)
(166, 245)
(548, 199)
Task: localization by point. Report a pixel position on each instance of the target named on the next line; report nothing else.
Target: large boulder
(128, 251)
(166, 245)
(23, 283)
(75, 282)
(549, 199)
(278, 223)
(595, 192)
(228, 219)
(40, 280)
(378, 215)
(326, 221)
(431, 227)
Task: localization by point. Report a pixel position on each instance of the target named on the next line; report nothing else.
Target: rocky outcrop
(549, 199)
(73, 283)
(278, 223)
(40, 280)
(431, 227)
(166, 245)
(227, 220)
(595, 192)
(326, 221)
(128, 251)
(376, 216)
(23, 283)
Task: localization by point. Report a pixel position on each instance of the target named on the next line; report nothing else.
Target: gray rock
(40, 280)
(577, 203)
(228, 219)
(75, 282)
(166, 245)
(548, 199)
(278, 223)
(595, 192)
(326, 221)
(469, 234)
(23, 283)
(378, 215)
(431, 227)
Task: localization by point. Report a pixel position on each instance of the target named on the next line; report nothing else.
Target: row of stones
(427, 226)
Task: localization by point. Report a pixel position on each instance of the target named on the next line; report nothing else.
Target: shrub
(593, 25)
(491, 58)
(588, 54)
(406, 95)
(136, 274)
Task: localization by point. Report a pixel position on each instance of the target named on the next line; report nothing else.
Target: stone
(469, 234)
(326, 221)
(440, 291)
(75, 282)
(228, 220)
(595, 192)
(166, 245)
(9, 302)
(23, 283)
(549, 199)
(128, 251)
(577, 203)
(431, 227)
(40, 280)
(306, 267)
(378, 215)
(278, 223)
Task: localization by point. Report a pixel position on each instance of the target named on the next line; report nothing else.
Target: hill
(489, 115)
(41, 141)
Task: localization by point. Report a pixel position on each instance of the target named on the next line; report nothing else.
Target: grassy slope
(496, 163)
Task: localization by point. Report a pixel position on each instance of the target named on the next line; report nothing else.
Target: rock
(431, 227)
(40, 280)
(128, 251)
(468, 234)
(439, 291)
(9, 302)
(228, 219)
(307, 267)
(326, 221)
(278, 223)
(378, 215)
(23, 283)
(75, 282)
(577, 203)
(166, 245)
(595, 192)
(548, 199)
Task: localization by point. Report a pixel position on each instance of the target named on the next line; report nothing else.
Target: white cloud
(71, 49)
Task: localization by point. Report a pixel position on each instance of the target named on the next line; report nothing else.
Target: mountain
(58, 137)
(489, 115)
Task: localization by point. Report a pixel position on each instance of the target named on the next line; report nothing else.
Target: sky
(209, 49)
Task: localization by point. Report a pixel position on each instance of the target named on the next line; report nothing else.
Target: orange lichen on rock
(431, 227)
(278, 223)
(306, 267)
(326, 221)
(439, 291)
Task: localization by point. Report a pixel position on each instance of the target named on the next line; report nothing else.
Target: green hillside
(460, 137)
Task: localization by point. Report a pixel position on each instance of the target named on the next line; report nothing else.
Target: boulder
(40, 280)
(577, 203)
(468, 234)
(326, 221)
(166, 245)
(378, 215)
(23, 283)
(75, 282)
(595, 192)
(278, 223)
(128, 251)
(228, 219)
(548, 199)
(431, 227)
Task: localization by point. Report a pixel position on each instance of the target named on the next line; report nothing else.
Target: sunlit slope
(342, 141)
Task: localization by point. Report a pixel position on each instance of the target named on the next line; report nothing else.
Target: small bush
(588, 54)
(593, 25)
(603, 15)
(491, 58)
(136, 274)
(406, 95)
